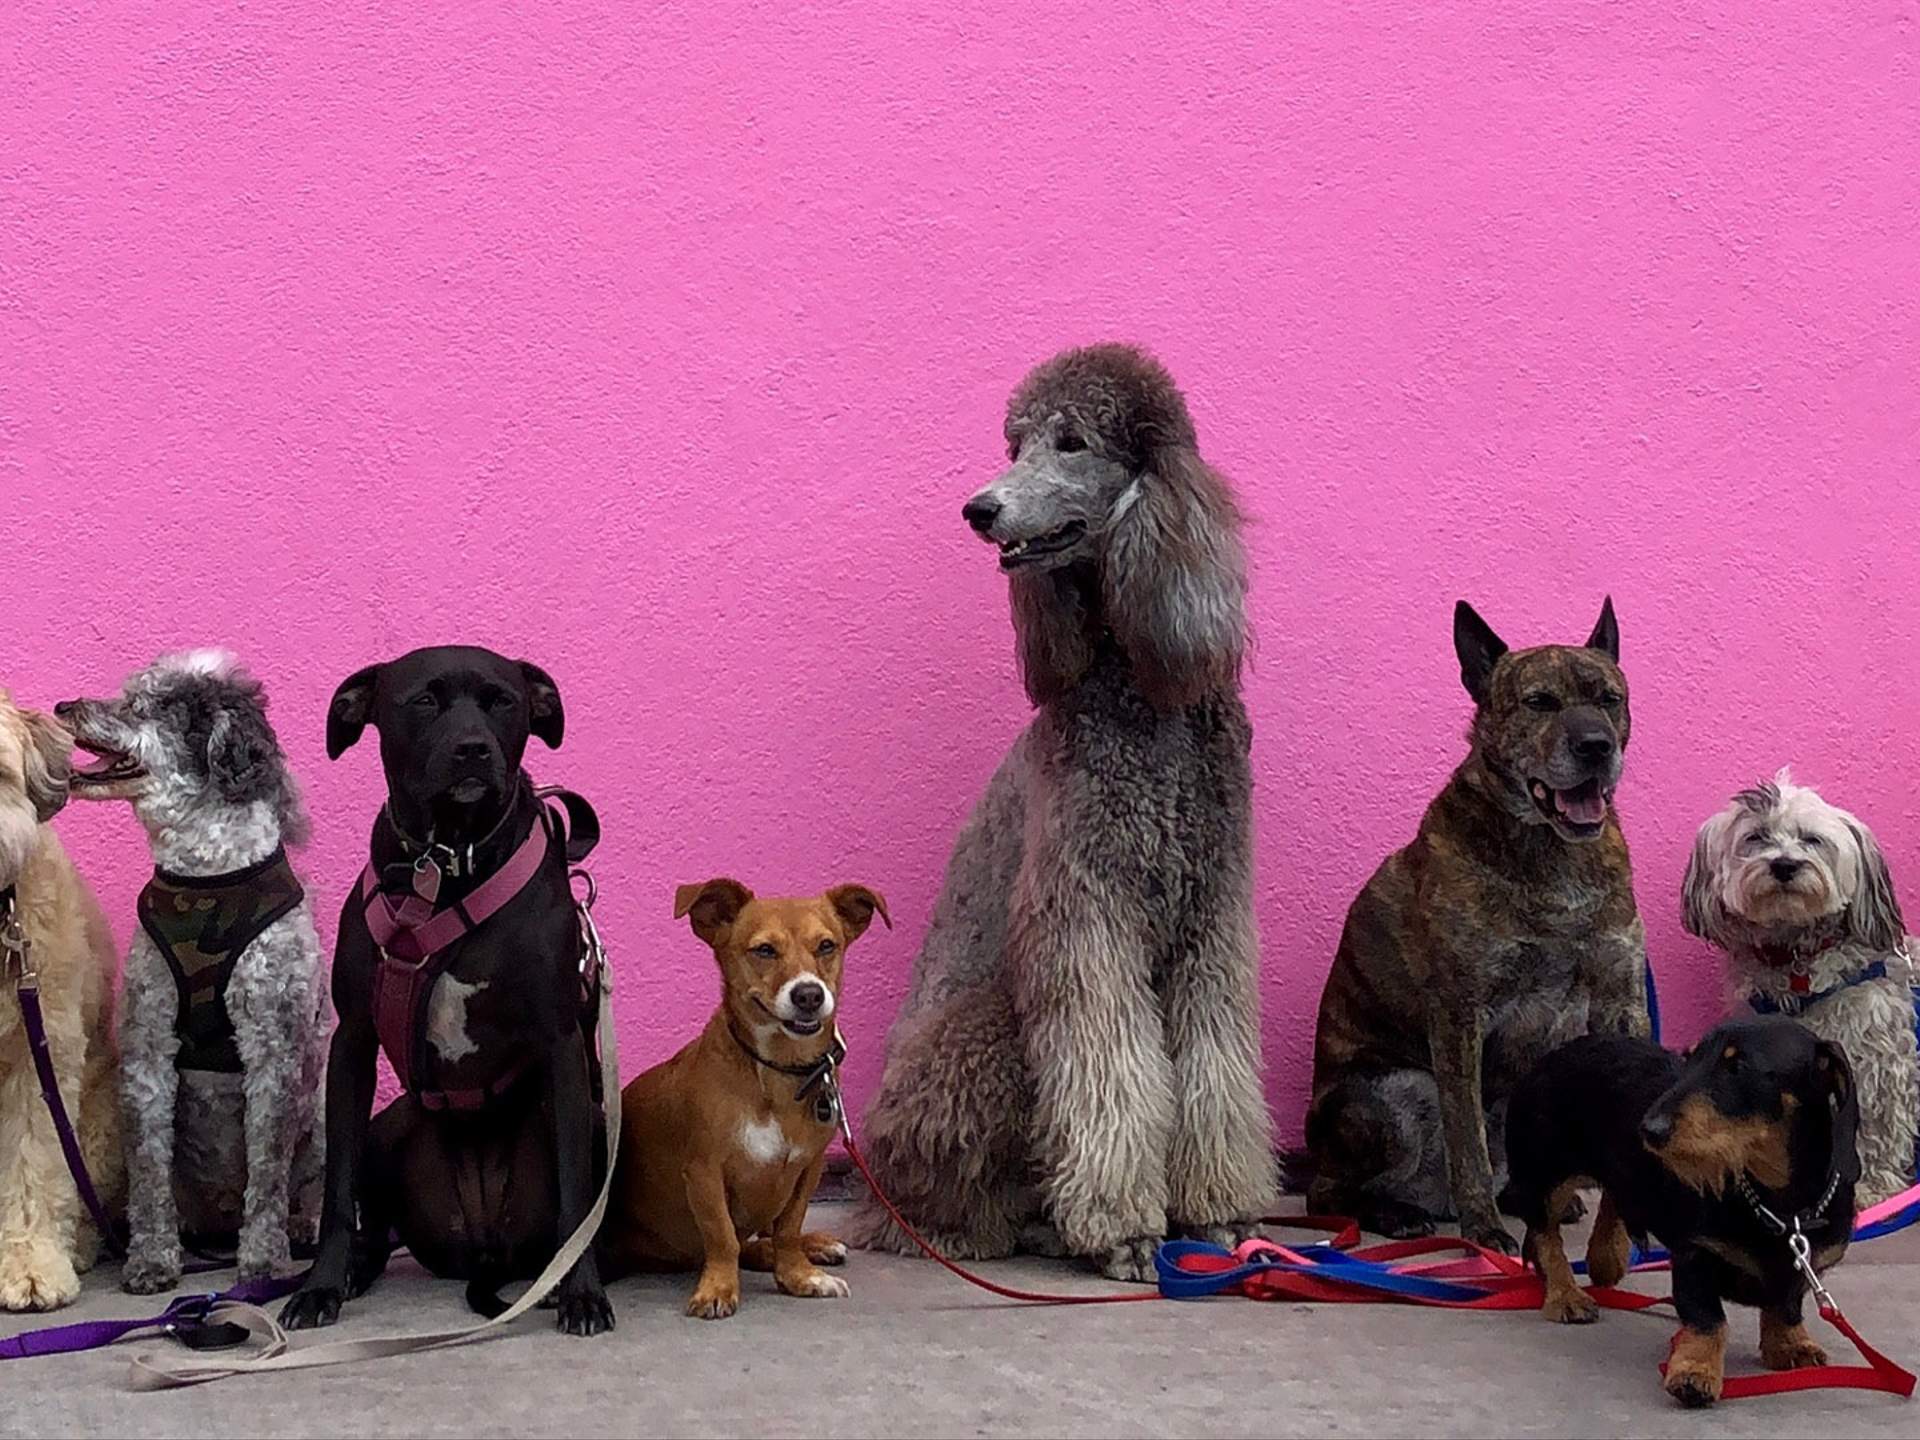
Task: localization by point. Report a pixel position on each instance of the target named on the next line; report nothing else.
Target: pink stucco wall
(660, 344)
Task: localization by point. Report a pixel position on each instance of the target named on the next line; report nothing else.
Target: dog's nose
(980, 512)
(1656, 1130)
(1785, 870)
(808, 997)
(65, 708)
(471, 751)
(1594, 748)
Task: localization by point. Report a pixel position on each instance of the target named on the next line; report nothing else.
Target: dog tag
(426, 878)
(826, 1107)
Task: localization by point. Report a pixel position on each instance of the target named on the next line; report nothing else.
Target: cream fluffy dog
(45, 1236)
(1797, 892)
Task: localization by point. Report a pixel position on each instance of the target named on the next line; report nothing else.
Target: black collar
(453, 862)
(814, 1075)
(1799, 1221)
(219, 882)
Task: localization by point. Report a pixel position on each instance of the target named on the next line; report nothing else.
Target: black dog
(1726, 1154)
(485, 1174)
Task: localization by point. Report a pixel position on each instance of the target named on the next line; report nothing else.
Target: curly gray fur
(1076, 1065)
(188, 744)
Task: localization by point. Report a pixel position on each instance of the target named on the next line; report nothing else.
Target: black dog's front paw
(590, 1313)
(312, 1306)
(1489, 1234)
(1395, 1221)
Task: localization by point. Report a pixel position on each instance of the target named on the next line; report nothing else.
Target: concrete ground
(917, 1353)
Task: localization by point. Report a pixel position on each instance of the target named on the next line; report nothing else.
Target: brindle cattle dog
(1504, 930)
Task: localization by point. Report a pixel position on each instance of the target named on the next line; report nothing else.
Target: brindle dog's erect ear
(856, 906)
(714, 906)
(350, 709)
(1606, 632)
(1478, 648)
(549, 716)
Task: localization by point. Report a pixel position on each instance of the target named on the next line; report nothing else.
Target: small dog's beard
(19, 835)
(1762, 900)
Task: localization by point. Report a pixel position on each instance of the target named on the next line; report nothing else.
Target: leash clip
(18, 952)
(1802, 1251)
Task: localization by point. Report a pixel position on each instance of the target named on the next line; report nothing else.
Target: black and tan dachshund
(1724, 1154)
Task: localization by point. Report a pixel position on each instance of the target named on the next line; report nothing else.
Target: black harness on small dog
(821, 1075)
(202, 924)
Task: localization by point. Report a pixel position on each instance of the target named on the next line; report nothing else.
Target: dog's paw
(1789, 1349)
(150, 1274)
(813, 1285)
(587, 1314)
(825, 1250)
(1132, 1260)
(1490, 1234)
(35, 1275)
(1395, 1221)
(311, 1307)
(714, 1300)
(1570, 1307)
(1693, 1384)
(1227, 1234)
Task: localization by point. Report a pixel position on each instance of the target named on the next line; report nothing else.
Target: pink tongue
(1588, 807)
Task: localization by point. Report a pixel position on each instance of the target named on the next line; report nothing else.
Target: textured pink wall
(661, 344)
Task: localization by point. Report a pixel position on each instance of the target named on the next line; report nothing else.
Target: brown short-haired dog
(723, 1144)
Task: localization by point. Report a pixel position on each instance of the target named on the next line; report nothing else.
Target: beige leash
(165, 1370)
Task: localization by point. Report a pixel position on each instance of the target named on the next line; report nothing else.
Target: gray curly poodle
(1076, 1066)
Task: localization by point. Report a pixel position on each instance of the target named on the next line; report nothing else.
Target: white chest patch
(447, 1018)
(764, 1141)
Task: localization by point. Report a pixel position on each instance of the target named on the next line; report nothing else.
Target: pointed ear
(1700, 908)
(1478, 648)
(49, 764)
(1836, 1078)
(714, 905)
(350, 709)
(1174, 579)
(1873, 916)
(1606, 632)
(856, 906)
(549, 716)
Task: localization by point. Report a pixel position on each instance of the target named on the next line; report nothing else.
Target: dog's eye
(1610, 698)
(1811, 841)
(825, 947)
(425, 700)
(766, 952)
(1541, 700)
(1069, 443)
(496, 699)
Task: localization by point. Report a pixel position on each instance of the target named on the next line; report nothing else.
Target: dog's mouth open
(1015, 553)
(1581, 811)
(110, 767)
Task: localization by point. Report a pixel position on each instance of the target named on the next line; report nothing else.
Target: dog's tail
(483, 1298)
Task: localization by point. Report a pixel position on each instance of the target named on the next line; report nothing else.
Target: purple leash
(16, 951)
(186, 1320)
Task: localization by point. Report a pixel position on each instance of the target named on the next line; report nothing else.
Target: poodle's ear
(856, 906)
(1050, 621)
(1700, 908)
(1606, 632)
(350, 709)
(1478, 648)
(1175, 578)
(49, 764)
(1873, 918)
(714, 906)
(549, 716)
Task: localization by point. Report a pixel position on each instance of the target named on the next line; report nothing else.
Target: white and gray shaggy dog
(221, 1032)
(1798, 894)
(1076, 1066)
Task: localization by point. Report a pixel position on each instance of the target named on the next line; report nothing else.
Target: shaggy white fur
(46, 1239)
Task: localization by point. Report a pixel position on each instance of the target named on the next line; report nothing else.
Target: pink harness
(413, 940)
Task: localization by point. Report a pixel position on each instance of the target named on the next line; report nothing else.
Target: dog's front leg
(569, 1099)
(1096, 1053)
(1617, 985)
(718, 1294)
(149, 1090)
(794, 1270)
(350, 1077)
(1455, 1033)
(1220, 1167)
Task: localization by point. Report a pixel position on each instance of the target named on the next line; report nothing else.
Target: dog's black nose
(66, 708)
(472, 751)
(807, 998)
(980, 512)
(1656, 1129)
(1594, 748)
(1784, 870)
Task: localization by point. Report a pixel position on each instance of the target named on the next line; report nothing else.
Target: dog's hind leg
(1376, 1140)
(270, 998)
(1221, 1173)
(1609, 1247)
(942, 1135)
(149, 1090)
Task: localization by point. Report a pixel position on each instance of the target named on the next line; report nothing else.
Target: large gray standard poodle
(1076, 1066)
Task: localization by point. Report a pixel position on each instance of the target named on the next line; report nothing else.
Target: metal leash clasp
(1802, 1251)
(16, 952)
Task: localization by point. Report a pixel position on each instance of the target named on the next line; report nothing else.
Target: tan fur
(1787, 1347)
(719, 1159)
(1565, 1303)
(1697, 1366)
(1609, 1247)
(1708, 1149)
(45, 1238)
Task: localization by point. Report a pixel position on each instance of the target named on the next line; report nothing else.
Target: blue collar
(1796, 1004)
